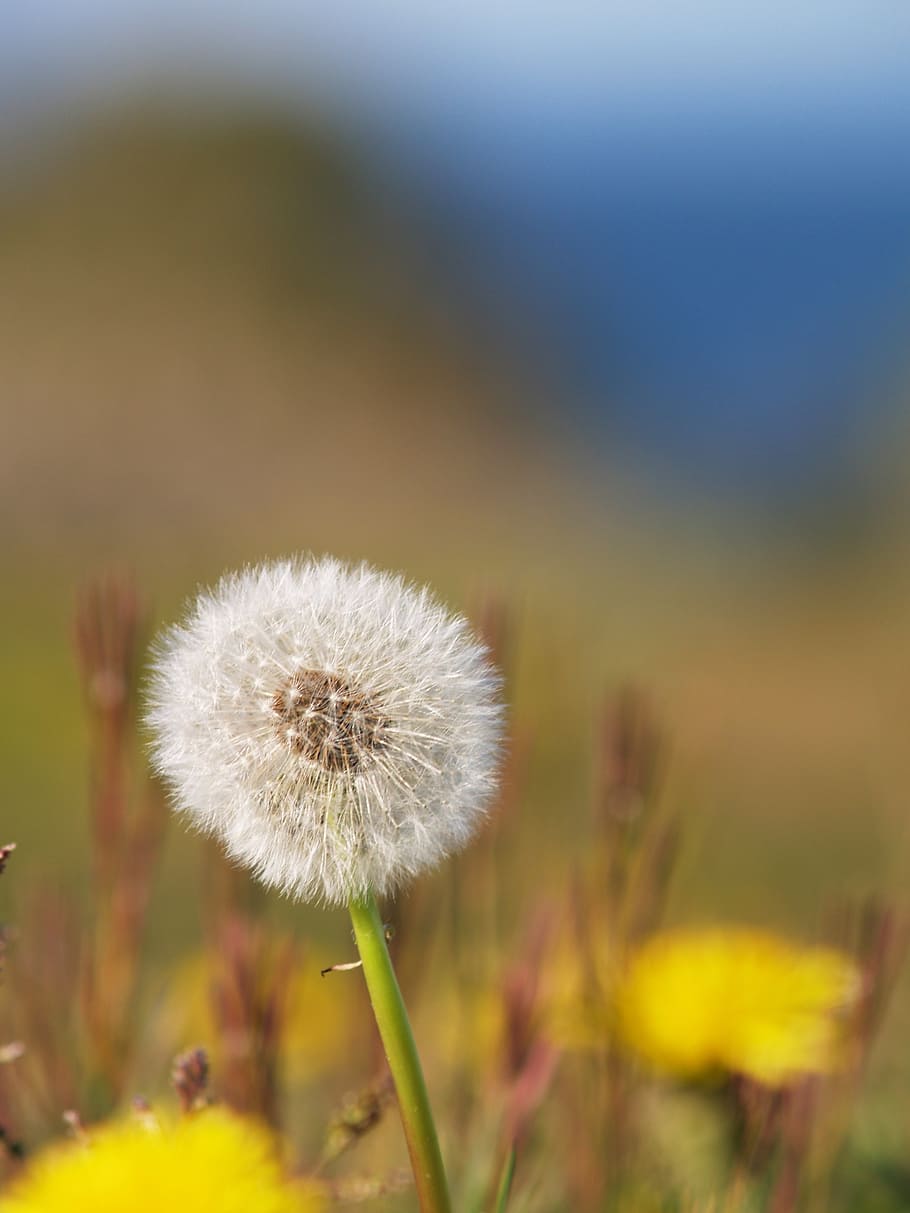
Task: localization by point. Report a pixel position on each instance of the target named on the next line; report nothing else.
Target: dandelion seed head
(327, 722)
(337, 728)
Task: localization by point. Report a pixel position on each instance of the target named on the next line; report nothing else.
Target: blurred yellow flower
(212, 1162)
(465, 1027)
(576, 1010)
(695, 1001)
(318, 1025)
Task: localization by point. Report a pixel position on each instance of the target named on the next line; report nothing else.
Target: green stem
(505, 1182)
(401, 1051)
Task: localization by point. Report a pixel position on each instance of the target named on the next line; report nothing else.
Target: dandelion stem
(401, 1051)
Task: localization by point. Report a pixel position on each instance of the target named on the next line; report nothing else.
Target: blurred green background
(218, 344)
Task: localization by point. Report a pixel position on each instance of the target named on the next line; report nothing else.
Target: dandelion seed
(338, 729)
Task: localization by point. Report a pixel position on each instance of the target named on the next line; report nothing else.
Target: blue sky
(522, 54)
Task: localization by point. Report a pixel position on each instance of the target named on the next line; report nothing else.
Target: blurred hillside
(206, 325)
(213, 350)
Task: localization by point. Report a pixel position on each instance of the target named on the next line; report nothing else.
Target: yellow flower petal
(211, 1161)
(696, 1001)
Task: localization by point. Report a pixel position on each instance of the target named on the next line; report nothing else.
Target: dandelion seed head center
(325, 720)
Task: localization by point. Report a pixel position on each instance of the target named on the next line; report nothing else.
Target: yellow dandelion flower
(213, 1162)
(695, 1001)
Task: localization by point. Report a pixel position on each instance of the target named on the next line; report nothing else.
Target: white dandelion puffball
(338, 729)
